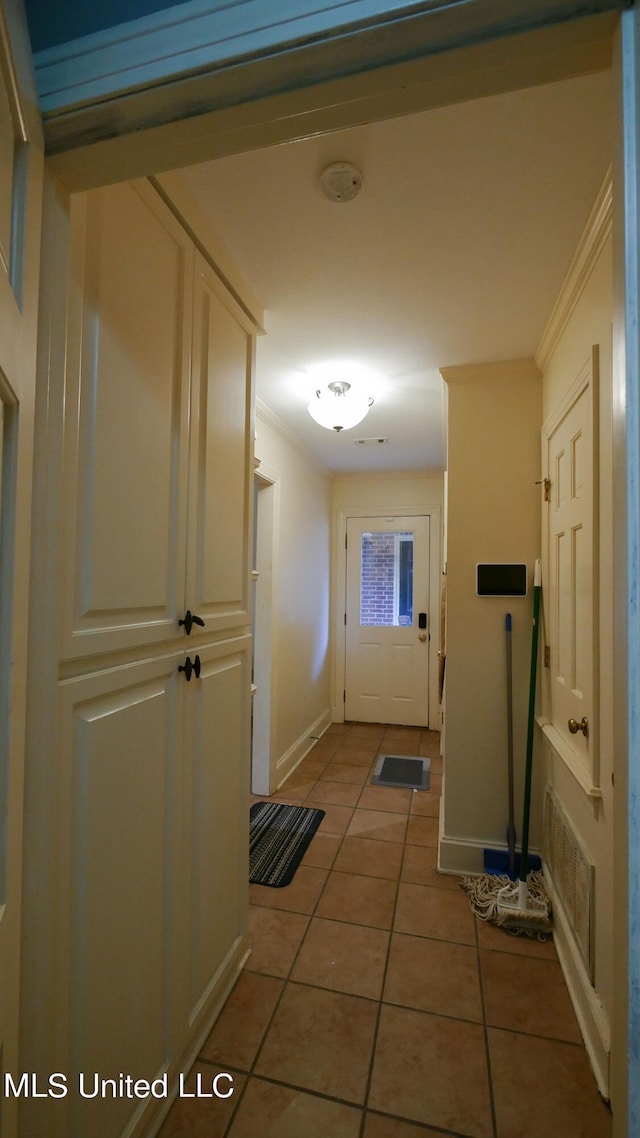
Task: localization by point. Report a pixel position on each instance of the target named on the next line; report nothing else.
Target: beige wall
(365, 496)
(495, 414)
(300, 665)
(589, 324)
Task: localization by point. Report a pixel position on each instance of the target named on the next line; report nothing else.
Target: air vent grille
(572, 875)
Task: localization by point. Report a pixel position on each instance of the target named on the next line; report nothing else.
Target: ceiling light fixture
(339, 406)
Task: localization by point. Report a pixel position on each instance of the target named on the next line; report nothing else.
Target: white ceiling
(453, 253)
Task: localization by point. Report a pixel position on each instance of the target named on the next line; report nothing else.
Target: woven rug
(278, 838)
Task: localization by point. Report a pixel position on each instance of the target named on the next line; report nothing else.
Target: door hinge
(547, 656)
(345, 618)
(345, 541)
(546, 482)
(344, 696)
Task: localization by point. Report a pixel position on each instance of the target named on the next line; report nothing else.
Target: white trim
(502, 369)
(288, 762)
(186, 38)
(265, 654)
(190, 39)
(195, 1046)
(170, 187)
(591, 1015)
(597, 231)
(271, 419)
(569, 758)
(466, 855)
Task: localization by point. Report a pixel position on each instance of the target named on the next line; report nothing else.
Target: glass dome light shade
(338, 407)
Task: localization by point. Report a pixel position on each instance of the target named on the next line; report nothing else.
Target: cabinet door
(118, 901)
(221, 456)
(217, 724)
(127, 392)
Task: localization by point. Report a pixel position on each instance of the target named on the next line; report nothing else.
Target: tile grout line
(374, 1045)
(492, 1105)
(251, 1073)
(287, 980)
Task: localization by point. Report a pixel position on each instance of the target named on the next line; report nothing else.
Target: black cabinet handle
(189, 620)
(190, 667)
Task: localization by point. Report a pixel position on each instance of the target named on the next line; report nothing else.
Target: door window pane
(386, 581)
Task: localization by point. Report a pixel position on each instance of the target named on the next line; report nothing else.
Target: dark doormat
(403, 771)
(278, 838)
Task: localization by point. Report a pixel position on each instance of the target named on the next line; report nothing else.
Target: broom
(523, 906)
(517, 906)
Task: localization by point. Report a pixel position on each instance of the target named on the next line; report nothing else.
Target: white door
(20, 204)
(570, 591)
(387, 621)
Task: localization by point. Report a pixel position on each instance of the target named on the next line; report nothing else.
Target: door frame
(107, 163)
(434, 513)
(353, 585)
(265, 679)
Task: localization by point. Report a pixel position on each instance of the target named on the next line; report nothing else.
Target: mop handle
(524, 852)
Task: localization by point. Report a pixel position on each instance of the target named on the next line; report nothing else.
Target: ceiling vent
(341, 182)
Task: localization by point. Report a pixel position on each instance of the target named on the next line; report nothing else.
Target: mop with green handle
(518, 906)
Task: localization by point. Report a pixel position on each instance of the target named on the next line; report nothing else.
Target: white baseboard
(590, 1013)
(458, 855)
(463, 855)
(288, 762)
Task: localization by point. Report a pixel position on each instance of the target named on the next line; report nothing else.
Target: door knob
(190, 667)
(583, 726)
(189, 620)
(422, 636)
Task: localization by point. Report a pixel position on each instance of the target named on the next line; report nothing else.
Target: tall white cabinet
(150, 831)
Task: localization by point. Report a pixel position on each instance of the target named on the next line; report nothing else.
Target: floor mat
(278, 838)
(403, 771)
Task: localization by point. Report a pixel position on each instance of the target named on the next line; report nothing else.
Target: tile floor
(374, 1004)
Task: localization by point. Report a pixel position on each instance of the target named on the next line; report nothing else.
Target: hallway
(374, 1005)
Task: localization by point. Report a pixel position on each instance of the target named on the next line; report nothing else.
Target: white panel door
(119, 909)
(20, 207)
(126, 432)
(387, 621)
(571, 592)
(220, 456)
(217, 723)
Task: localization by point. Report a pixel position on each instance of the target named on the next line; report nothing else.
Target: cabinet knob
(190, 667)
(189, 620)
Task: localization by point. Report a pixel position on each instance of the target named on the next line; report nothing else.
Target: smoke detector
(341, 182)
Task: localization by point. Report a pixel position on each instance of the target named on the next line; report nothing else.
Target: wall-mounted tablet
(501, 580)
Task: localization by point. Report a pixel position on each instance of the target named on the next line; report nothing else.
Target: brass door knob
(422, 636)
(583, 726)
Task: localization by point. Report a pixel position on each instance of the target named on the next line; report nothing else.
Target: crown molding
(595, 235)
(272, 420)
(488, 372)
